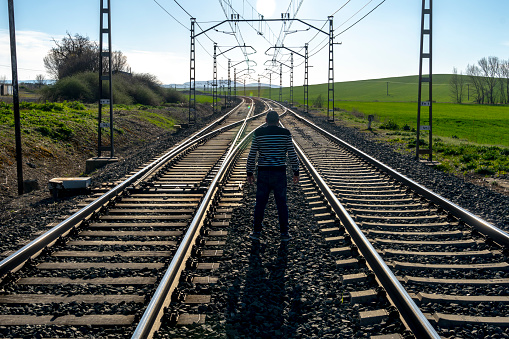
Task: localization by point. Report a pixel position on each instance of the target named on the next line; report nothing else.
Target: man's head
(272, 118)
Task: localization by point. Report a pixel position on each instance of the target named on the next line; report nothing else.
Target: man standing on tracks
(271, 143)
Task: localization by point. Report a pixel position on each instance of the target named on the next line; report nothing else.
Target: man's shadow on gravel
(262, 305)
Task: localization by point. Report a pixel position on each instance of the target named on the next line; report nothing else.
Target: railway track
(449, 262)
(106, 258)
(407, 259)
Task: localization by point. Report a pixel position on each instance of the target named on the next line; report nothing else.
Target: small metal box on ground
(69, 186)
(94, 163)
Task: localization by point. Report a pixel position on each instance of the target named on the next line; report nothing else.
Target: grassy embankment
(468, 138)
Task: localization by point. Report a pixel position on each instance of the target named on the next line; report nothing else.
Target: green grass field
(480, 124)
(401, 89)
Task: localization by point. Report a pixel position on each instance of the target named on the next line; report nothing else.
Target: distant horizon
(201, 82)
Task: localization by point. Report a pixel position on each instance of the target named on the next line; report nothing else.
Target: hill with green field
(401, 89)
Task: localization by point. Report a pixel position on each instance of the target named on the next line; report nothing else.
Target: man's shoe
(286, 236)
(255, 235)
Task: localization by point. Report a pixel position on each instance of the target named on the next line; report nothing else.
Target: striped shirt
(272, 144)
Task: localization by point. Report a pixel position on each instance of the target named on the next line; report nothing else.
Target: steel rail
(408, 310)
(32, 249)
(498, 235)
(147, 325)
(242, 128)
(161, 161)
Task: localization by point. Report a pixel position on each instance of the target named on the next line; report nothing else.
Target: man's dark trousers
(268, 181)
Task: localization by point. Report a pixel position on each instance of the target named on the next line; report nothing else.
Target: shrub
(71, 88)
(318, 101)
(485, 170)
(127, 89)
(390, 124)
(172, 96)
(145, 96)
(469, 157)
(63, 133)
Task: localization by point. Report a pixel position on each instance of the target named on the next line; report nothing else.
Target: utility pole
(235, 82)
(426, 17)
(280, 82)
(305, 56)
(306, 79)
(259, 87)
(229, 98)
(270, 85)
(15, 98)
(291, 79)
(192, 78)
(284, 18)
(105, 28)
(330, 84)
(214, 81)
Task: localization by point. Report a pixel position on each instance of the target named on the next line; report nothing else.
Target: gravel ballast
(273, 290)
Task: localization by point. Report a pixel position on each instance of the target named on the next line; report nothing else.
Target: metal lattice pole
(192, 78)
(229, 99)
(330, 92)
(235, 82)
(214, 81)
(280, 82)
(105, 58)
(425, 55)
(291, 79)
(270, 85)
(306, 80)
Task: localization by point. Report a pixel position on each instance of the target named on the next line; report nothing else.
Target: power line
(164, 9)
(370, 1)
(355, 23)
(340, 8)
(183, 8)
(25, 69)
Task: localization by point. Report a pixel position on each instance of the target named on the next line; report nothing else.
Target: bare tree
(503, 80)
(504, 67)
(3, 79)
(72, 55)
(489, 69)
(457, 84)
(474, 73)
(39, 80)
(119, 62)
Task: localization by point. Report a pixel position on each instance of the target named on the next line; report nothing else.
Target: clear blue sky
(384, 44)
